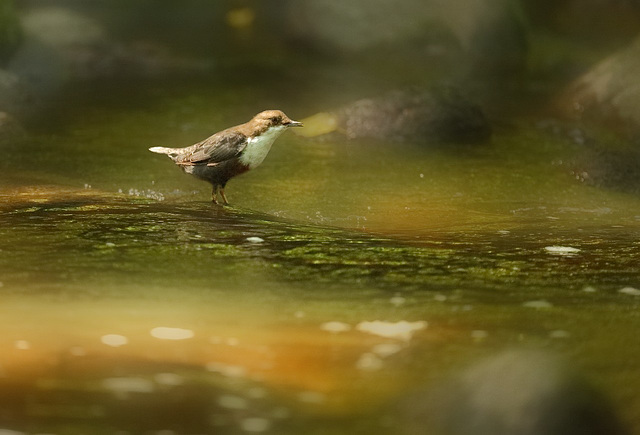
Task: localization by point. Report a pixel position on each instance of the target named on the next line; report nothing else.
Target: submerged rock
(435, 115)
(512, 393)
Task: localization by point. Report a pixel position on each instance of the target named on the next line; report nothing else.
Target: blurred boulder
(10, 30)
(609, 92)
(59, 44)
(62, 45)
(482, 36)
(436, 115)
(513, 393)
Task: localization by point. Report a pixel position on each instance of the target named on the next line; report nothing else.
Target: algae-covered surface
(130, 304)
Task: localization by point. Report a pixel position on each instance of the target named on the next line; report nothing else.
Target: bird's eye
(275, 119)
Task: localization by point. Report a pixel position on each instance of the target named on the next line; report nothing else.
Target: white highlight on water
(561, 250)
(401, 330)
(630, 291)
(114, 340)
(165, 333)
(335, 327)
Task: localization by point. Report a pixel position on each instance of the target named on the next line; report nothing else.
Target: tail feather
(162, 150)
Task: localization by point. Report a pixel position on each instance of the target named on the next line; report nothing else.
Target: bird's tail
(162, 150)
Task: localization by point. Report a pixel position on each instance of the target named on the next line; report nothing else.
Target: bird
(230, 152)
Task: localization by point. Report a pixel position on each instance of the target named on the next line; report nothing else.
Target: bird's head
(272, 119)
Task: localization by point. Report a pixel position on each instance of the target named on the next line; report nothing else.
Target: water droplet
(402, 330)
(559, 333)
(561, 250)
(232, 402)
(479, 334)
(228, 370)
(537, 304)
(369, 362)
(22, 345)
(386, 349)
(165, 333)
(170, 379)
(311, 397)
(114, 340)
(630, 291)
(397, 300)
(255, 424)
(124, 384)
(335, 327)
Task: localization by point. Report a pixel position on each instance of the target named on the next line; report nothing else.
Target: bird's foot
(218, 191)
(224, 197)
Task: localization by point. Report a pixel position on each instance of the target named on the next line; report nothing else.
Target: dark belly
(218, 174)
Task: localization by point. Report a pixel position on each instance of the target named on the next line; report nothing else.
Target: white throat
(258, 147)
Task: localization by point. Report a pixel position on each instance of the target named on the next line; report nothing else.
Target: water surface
(129, 303)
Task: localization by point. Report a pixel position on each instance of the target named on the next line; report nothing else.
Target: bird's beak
(294, 124)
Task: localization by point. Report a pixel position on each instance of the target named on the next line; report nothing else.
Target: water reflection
(145, 305)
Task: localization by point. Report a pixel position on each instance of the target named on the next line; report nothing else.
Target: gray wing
(215, 149)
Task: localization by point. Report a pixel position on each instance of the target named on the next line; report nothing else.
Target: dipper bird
(230, 152)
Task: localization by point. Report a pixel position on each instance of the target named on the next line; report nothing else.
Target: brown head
(270, 118)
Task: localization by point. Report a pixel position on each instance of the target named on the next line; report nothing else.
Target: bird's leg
(223, 196)
(214, 193)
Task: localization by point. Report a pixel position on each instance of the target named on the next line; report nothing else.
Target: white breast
(258, 147)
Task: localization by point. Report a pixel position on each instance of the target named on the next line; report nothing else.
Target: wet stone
(439, 114)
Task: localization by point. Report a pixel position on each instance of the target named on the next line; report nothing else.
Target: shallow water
(132, 304)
